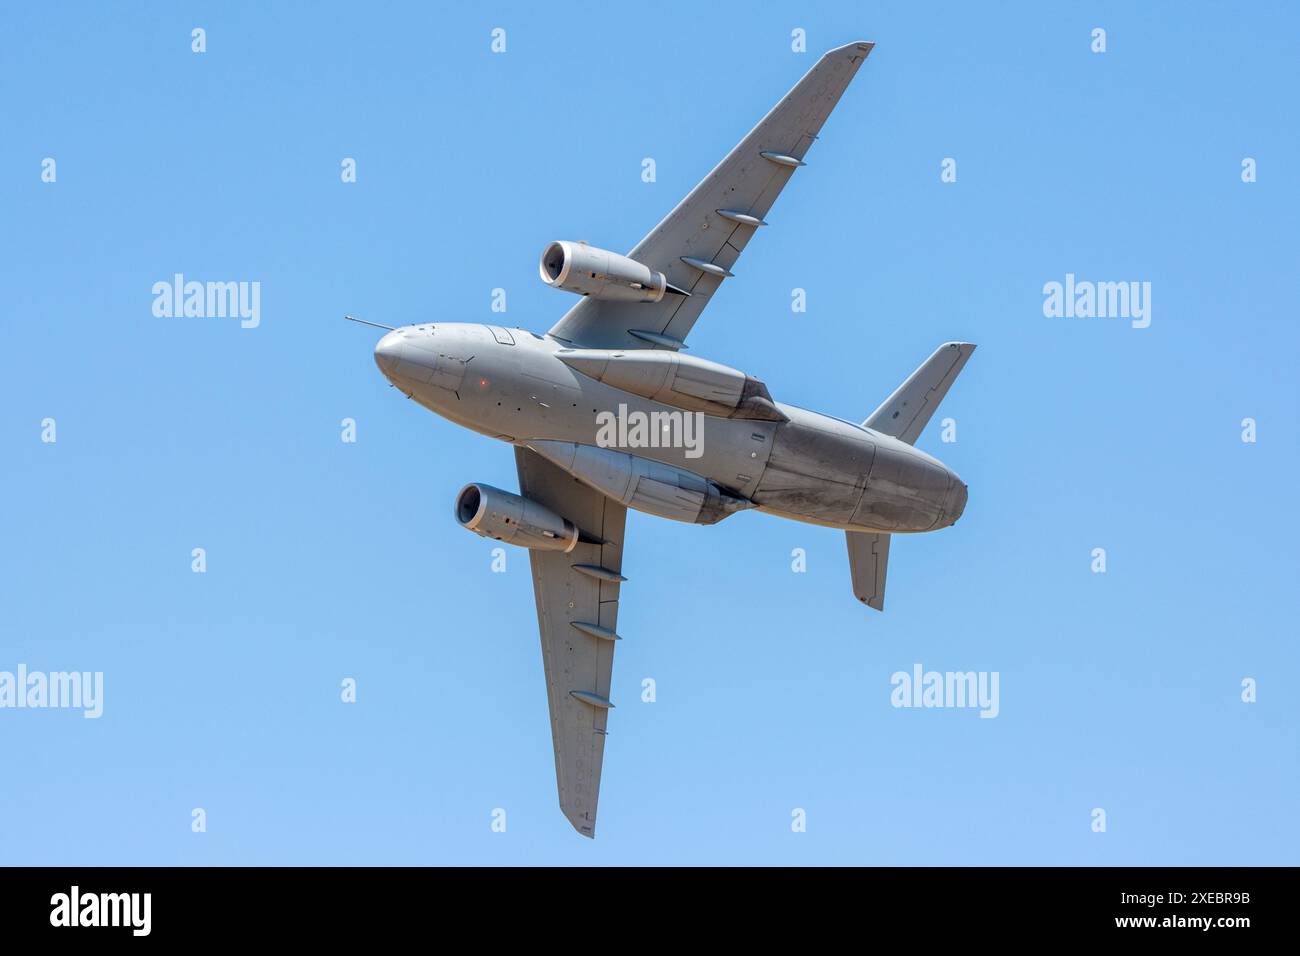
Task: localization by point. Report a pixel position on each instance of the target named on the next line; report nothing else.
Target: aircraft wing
(698, 243)
(577, 613)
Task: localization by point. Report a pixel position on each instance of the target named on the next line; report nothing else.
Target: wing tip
(582, 823)
(856, 48)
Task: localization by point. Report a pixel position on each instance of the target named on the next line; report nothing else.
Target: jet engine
(586, 270)
(643, 484)
(676, 379)
(507, 517)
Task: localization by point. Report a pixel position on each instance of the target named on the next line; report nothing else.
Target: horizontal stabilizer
(868, 560)
(905, 413)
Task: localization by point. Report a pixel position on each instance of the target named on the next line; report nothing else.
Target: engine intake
(586, 270)
(507, 517)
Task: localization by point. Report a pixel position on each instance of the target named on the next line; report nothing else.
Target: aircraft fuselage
(513, 385)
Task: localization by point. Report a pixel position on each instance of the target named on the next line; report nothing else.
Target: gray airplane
(607, 411)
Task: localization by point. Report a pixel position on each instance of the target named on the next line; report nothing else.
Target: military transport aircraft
(620, 352)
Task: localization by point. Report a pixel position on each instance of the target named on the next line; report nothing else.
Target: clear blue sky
(329, 560)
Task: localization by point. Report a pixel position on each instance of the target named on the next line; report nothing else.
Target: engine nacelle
(685, 381)
(586, 270)
(507, 517)
(643, 484)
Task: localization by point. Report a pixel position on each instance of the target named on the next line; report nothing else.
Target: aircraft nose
(388, 352)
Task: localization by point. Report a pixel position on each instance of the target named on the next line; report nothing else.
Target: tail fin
(905, 413)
